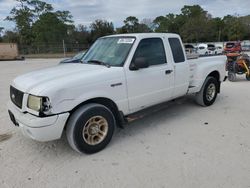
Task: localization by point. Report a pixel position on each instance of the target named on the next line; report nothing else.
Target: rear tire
(248, 77)
(208, 93)
(231, 76)
(90, 128)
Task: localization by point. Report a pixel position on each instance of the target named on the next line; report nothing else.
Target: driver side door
(152, 85)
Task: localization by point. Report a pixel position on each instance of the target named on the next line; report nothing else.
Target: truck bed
(201, 67)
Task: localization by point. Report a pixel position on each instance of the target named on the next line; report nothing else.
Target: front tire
(90, 128)
(208, 93)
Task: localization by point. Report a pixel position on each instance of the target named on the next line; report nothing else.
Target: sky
(86, 11)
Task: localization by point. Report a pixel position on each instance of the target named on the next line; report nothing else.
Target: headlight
(39, 104)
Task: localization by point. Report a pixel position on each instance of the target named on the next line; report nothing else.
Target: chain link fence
(50, 49)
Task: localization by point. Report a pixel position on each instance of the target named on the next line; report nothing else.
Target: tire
(90, 128)
(231, 76)
(208, 93)
(248, 77)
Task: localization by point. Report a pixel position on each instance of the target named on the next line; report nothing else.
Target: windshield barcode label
(126, 41)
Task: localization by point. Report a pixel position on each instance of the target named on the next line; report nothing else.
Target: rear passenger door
(152, 85)
(181, 68)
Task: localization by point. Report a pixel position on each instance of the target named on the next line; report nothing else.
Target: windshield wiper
(98, 62)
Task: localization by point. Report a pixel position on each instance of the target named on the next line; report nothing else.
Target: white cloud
(5, 7)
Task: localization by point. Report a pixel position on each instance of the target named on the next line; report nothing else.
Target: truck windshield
(111, 51)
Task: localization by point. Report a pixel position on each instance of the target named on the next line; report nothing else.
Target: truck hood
(61, 75)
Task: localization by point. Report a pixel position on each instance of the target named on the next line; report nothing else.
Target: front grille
(16, 96)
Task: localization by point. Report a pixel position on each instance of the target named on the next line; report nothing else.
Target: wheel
(90, 128)
(231, 76)
(208, 93)
(248, 77)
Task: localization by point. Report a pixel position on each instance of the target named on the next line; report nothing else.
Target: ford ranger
(118, 76)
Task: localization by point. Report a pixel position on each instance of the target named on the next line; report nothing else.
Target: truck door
(181, 68)
(152, 85)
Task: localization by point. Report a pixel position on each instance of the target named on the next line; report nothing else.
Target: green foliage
(43, 32)
(101, 28)
(10, 36)
(34, 20)
(38, 23)
(195, 25)
(132, 25)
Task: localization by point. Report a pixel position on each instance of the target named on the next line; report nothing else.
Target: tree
(193, 11)
(234, 28)
(161, 24)
(82, 35)
(64, 16)
(216, 25)
(11, 36)
(44, 33)
(37, 23)
(39, 7)
(132, 25)
(170, 23)
(22, 16)
(101, 28)
(195, 27)
(149, 23)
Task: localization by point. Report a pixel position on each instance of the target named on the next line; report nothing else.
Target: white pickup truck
(118, 76)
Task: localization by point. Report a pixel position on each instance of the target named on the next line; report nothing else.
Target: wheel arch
(110, 104)
(215, 74)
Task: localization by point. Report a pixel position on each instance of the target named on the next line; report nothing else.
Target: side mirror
(139, 63)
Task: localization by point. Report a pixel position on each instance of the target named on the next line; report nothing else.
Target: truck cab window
(177, 50)
(152, 50)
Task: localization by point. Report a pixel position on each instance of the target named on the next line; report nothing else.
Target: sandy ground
(182, 145)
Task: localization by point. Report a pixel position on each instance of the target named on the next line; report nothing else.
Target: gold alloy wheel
(95, 130)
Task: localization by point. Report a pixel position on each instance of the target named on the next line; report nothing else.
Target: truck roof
(144, 35)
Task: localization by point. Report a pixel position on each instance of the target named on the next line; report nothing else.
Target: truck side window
(152, 49)
(177, 50)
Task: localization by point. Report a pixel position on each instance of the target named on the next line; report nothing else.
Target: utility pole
(64, 50)
(219, 37)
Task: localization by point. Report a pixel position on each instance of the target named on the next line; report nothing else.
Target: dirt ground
(182, 145)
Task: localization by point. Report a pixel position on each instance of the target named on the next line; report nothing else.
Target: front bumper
(38, 128)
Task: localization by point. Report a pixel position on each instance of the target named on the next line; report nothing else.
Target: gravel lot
(182, 145)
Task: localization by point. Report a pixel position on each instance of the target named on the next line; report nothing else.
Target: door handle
(168, 71)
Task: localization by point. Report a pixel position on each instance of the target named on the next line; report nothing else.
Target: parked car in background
(218, 49)
(211, 49)
(245, 45)
(191, 51)
(245, 48)
(203, 49)
(232, 47)
(75, 59)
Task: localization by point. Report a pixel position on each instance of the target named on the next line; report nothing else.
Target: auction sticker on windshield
(126, 41)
